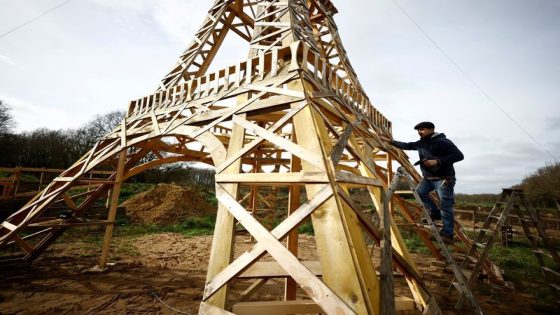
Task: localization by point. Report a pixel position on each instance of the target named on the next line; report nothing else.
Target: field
(159, 268)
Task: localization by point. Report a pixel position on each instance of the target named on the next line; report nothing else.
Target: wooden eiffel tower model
(292, 115)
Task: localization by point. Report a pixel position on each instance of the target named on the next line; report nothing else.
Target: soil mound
(167, 204)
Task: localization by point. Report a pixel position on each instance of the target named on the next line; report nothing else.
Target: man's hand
(430, 163)
(384, 138)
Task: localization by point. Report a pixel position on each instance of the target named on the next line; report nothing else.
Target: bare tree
(86, 136)
(6, 120)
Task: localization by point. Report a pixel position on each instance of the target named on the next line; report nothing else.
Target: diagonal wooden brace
(313, 286)
(247, 258)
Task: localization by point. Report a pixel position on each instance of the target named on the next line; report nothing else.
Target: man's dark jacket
(436, 147)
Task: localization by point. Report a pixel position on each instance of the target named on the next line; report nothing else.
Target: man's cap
(425, 124)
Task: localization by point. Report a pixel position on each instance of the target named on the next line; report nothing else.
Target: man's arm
(399, 144)
(404, 145)
(453, 154)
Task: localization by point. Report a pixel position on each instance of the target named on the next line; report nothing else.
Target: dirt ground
(172, 268)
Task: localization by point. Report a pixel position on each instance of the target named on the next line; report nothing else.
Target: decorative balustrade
(324, 72)
(259, 68)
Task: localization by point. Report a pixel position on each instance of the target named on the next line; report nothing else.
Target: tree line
(50, 148)
(61, 148)
(543, 186)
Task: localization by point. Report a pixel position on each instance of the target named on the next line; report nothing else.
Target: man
(437, 155)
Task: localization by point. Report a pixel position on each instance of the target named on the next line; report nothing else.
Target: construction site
(310, 210)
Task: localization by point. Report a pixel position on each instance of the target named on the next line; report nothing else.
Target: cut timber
(402, 304)
(277, 307)
(271, 269)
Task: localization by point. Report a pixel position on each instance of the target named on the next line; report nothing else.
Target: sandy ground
(173, 268)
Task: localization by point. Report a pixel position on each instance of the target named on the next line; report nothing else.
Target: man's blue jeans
(444, 190)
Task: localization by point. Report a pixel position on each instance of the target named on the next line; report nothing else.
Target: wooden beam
(222, 244)
(277, 307)
(402, 304)
(271, 269)
(345, 177)
(268, 179)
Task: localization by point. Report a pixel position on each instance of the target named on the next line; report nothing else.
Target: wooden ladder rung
(555, 286)
(404, 192)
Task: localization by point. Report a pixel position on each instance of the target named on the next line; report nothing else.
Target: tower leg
(347, 267)
(224, 232)
(112, 210)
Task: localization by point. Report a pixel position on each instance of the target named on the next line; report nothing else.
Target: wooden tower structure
(292, 115)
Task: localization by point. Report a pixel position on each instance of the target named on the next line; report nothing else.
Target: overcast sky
(92, 56)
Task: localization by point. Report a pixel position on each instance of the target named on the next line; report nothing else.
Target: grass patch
(130, 189)
(306, 228)
(210, 196)
(189, 227)
(414, 243)
(521, 267)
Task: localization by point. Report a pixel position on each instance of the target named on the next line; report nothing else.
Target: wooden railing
(479, 216)
(26, 182)
(256, 69)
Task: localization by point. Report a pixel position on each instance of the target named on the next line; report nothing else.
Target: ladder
(516, 201)
(461, 284)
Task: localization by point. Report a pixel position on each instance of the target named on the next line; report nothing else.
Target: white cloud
(179, 19)
(7, 60)
(29, 116)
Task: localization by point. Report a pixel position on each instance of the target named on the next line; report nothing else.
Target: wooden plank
(271, 269)
(275, 90)
(273, 178)
(64, 179)
(9, 226)
(387, 294)
(345, 177)
(338, 148)
(402, 304)
(294, 194)
(61, 223)
(277, 307)
(221, 252)
(113, 209)
(207, 308)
